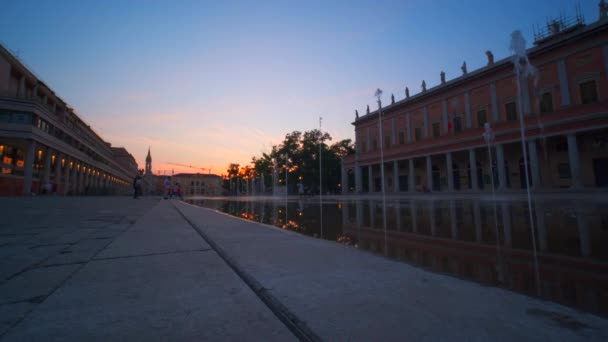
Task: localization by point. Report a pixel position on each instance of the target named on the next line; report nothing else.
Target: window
(481, 118)
(511, 110)
(588, 92)
(387, 141)
(375, 144)
(363, 147)
(401, 138)
(546, 103)
(457, 124)
(417, 133)
(563, 169)
(436, 130)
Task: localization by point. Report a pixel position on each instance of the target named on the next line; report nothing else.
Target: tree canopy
(299, 154)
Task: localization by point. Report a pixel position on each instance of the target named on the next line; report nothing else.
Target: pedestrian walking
(137, 186)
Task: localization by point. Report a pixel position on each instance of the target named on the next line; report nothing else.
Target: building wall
(562, 65)
(36, 123)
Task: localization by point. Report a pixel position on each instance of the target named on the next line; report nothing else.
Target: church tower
(148, 163)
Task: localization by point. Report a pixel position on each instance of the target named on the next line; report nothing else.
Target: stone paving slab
(119, 269)
(161, 231)
(343, 293)
(189, 296)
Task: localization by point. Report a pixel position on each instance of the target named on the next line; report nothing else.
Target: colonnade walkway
(114, 268)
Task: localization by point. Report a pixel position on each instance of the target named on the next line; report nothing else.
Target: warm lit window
(511, 110)
(481, 118)
(401, 138)
(588, 92)
(546, 103)
(436, 130)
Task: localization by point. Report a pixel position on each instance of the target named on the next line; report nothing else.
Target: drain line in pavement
(291, 321)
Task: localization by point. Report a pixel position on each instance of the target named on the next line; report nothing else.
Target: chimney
(603, 10)
(442, 75)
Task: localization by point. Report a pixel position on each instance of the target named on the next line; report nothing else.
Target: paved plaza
(114, 268)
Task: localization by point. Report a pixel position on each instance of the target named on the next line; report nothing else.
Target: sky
(208, 83)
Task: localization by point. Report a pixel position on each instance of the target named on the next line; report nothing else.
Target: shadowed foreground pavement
(103, 268)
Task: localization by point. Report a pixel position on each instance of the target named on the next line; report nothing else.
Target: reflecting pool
(482, 240)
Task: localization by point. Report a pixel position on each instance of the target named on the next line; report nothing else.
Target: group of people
(170, 191)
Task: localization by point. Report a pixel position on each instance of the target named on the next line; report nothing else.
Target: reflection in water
(471, 239)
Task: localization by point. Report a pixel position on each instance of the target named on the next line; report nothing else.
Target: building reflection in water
(469, 239)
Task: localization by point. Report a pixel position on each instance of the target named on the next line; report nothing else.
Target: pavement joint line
(41, 299)
(291, 321)
(61, 264)
(154, 254)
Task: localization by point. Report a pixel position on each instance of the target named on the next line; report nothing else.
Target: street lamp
(378, 95)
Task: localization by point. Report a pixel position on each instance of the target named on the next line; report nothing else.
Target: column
(575, 167)
(453, 220)
(500, 165)
(29, 168)
(358, 179)
(397, 207)
(76, 177)
(345, 214)
(539, 210)
(359, 210)
(429, 173)
(66, 186)
(58, 171)
(370, 179)
(450, 171)
(46, 178)
(413, 207)
(411, 178)
(583, 231)
(432, 218)
(505, 210)
(477, 219)
(473, 168)
(534, 167)
(395, 176)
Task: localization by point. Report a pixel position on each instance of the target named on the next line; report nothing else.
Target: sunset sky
(209, 83)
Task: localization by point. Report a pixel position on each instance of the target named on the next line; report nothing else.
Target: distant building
(198, 184)
(433, 141)
(46, 147)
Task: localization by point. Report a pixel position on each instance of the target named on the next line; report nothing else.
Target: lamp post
(286, 174)
(378, 95)
(321, 175)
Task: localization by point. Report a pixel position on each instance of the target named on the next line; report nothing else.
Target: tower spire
(148, 163)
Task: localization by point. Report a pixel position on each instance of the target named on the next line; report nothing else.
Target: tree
(299, 153)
